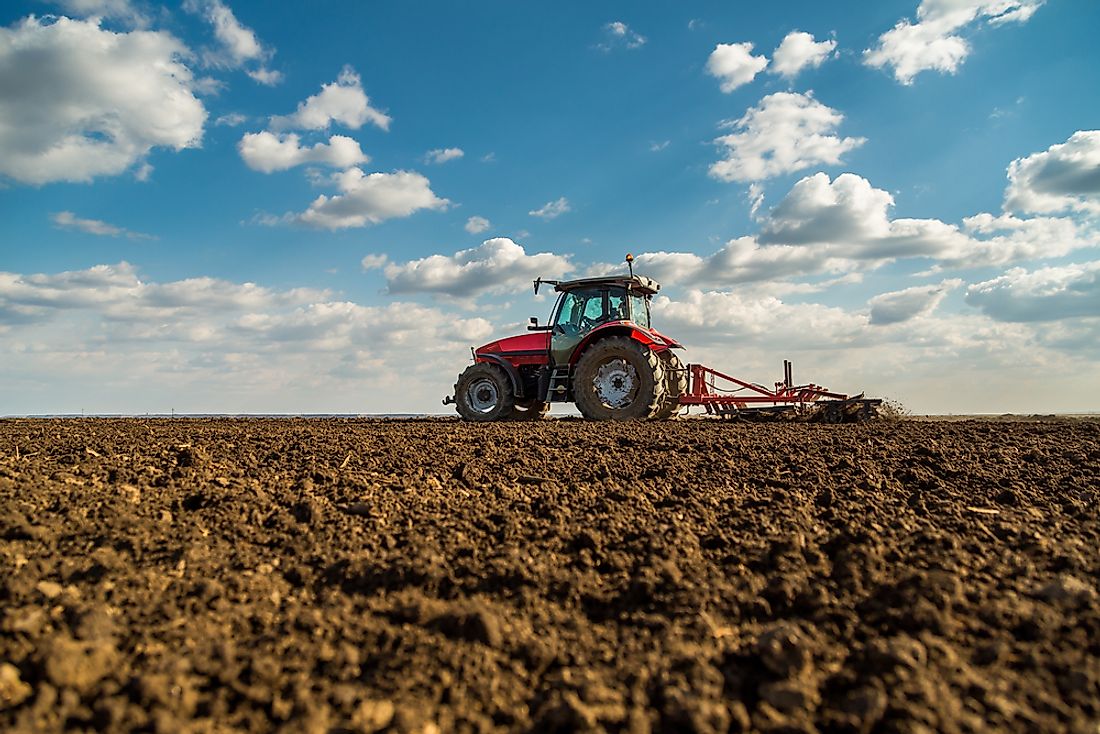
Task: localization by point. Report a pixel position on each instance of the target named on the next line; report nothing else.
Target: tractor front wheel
(618, 378)
(484, 393)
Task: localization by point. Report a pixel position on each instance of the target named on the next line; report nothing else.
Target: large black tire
(618, 379)
(484, 393)
(529, 410)
(676, 384)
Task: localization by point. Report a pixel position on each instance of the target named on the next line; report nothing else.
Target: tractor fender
(509, 369)
(651, 340)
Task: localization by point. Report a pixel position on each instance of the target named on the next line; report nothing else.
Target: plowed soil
(421, 576)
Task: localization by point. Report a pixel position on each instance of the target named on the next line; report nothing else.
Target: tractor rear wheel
(484, 393)
(529, 410)
(618, 379)
(676, 384)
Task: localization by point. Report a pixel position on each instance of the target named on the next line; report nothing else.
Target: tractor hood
(522, 343)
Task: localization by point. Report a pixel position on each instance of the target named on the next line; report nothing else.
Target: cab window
(639, 310)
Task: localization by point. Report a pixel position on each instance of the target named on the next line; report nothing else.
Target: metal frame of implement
(751, 401)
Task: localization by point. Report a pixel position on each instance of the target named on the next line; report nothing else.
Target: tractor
(601, 352)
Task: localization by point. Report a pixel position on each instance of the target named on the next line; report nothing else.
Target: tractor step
(558, 385)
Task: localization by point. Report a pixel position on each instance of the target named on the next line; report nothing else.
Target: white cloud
(552, 209)
(231, 119)
(658, 145)
(495, 266)
(238, 44)
(1065, 177)
(68, 220)
(756, 318)
(838, 227)
(374, 261)
(934, 41)
(367, 199)
(268, 152)
(734, 65)
(82, 102)
(785, 132)
(477, 225)
(442, 155)
(122, 10)
(899, 306)
(1046, 294)
(797, 51)
(342, 101)
(108, 340)
(267, 77)
(619, 34)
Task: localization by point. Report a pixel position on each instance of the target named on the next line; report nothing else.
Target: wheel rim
(482, 396)
(616, 383)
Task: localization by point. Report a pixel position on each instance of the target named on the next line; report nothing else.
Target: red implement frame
(746, 398)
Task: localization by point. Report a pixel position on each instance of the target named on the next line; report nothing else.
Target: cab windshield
(583, 309)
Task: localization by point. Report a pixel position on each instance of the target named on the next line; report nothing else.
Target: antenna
(630, 264)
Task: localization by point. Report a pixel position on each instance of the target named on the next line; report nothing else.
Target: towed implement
(600, 351)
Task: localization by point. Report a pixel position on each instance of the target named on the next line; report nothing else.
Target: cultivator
(729, 397)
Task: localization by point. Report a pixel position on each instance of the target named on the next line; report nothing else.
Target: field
(423, 576)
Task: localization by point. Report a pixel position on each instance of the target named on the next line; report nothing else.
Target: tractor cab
(588, 304)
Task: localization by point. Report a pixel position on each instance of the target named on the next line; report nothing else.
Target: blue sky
(232, 206)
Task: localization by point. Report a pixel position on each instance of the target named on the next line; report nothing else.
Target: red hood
(535, 341)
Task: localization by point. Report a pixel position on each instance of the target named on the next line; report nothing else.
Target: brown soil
(359, 575)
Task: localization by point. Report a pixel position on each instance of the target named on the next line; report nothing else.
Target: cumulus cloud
(797, 51)
(935, 42)
(619, 35)
(116, 292)
(238, 46)
(1046, 294)
(785, 132)
(899, 306)
(477, 225)
(268, 152)
(120, 10)
(1064, 177)
(367, 199)
(552, 209)
(734, 65)
(498, 265)
(342, 101)
(231, 119)
(82, 102)
(203, 344)
(757, 318)
(374, 261)
(442, 155)
(68, 220)
(825, 227)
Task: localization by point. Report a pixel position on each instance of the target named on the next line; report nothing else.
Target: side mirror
(534, 325)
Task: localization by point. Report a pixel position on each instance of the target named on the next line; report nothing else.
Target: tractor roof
(637, 283)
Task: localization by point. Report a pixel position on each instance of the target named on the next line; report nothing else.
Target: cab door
(578, 312)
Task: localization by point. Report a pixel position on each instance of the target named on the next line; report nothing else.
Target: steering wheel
(587, 323)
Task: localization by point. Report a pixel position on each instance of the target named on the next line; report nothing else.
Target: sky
(223, 206)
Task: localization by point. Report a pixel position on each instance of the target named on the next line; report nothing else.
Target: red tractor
(600, 352)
